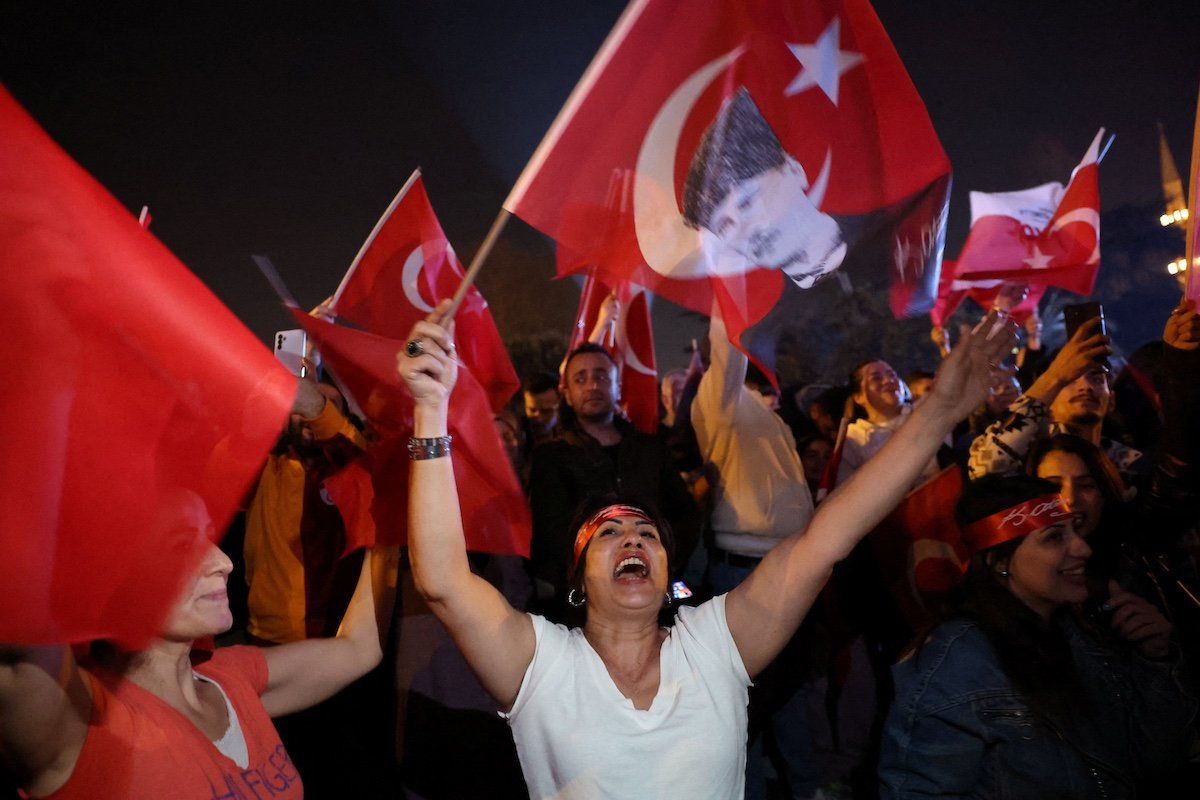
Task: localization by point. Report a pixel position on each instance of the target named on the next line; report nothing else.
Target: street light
(1176, 217)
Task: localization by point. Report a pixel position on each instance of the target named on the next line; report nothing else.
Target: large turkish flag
(137, 408)
(744, 149)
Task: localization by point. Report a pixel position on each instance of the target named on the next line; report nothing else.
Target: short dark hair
(540, 381)
(583, 349)
(739, 144)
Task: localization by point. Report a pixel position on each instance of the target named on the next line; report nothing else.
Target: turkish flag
(744, 150)
(919, 547)
(630, 343)
(1045, 235)
(495, 517)
(952, 291)
(137, 408)
(403, 270)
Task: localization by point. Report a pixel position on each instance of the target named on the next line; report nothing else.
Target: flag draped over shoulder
(137, 409)
(630, 343)
(1046, 235)
(404, 269)
(372, 493)
(768, 146)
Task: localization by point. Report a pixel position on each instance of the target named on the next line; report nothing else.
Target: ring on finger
(414, 348)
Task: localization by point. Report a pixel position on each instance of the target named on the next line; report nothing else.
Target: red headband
(1011, 523)
(589, 528)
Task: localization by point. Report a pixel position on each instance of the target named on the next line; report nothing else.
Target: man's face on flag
(767, 220)
(749, 200)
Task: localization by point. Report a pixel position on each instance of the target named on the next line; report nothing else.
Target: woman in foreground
(623, 707)
(168, 721)
(1021, 695)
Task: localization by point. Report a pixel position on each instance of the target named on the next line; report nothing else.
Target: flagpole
(1192, 285)
(477, 263)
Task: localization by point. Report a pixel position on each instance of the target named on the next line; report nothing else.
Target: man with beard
(593, 452)
(1071, 396)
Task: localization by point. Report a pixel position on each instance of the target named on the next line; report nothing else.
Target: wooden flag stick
(1192, 284)
(477, 263)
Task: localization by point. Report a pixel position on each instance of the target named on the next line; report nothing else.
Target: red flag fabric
(1191, 289)
(919, 547)
(1013, 238)
(769, 145)
(952, 291)
(405, 267)
(631, 345)
(495, 517)
(137, 408)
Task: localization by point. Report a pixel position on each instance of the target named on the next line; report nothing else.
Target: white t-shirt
(579, 737)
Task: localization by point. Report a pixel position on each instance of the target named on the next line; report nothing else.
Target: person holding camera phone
(612, 709)
(1019, 694)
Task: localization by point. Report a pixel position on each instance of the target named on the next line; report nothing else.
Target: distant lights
(1174, 217)
(1180, 266)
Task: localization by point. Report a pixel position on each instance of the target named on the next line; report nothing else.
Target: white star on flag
(822, 63)
(1038, 260)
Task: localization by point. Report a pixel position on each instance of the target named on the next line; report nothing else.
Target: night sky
(285, 128)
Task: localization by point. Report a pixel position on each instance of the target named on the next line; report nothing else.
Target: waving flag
(631, 345)
(1045, 235)
(952, 291)
(768, 146)
(920, 549)
(372, 493)
(405, 267)
(137, 408)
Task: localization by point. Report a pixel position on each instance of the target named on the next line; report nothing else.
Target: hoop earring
(1003, 573)
(576, 598)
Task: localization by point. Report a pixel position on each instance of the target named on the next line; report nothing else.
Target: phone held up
(1074, 316)
(291, 348)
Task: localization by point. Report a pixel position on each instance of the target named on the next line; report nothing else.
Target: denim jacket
(958, 727)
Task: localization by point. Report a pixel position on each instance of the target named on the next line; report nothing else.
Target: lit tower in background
(1176, 212)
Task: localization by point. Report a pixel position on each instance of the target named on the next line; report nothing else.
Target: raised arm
(496, 639)
(764, 610)
(45, 703)
(302, 674)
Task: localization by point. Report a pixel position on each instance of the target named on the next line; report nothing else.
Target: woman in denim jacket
(1018, 696)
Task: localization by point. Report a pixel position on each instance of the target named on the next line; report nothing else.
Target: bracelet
(425, 449)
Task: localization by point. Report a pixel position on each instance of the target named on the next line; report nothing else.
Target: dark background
(285, 129)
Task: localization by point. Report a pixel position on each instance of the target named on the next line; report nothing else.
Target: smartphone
(1074, 316)
(291, 349)
(680, 590)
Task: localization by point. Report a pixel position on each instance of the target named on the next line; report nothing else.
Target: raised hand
(1087, 348)
(427, 363)
(965, 376)
(1136, 620)
(1183, 326)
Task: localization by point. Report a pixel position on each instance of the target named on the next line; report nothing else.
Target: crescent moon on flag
(668, 244)
(1088, 216)
(631, 357)
(927, 550)
(408, 278)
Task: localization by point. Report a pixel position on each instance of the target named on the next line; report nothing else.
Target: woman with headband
(623, 707)
(1017, 695)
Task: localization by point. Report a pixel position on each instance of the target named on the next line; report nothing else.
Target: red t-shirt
(139, 747)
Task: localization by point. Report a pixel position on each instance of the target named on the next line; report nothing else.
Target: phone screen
(680, 590)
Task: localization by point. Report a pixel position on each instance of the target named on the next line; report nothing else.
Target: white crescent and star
(631, 357)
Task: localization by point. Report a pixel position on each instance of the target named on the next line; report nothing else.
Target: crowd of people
(703, 613)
